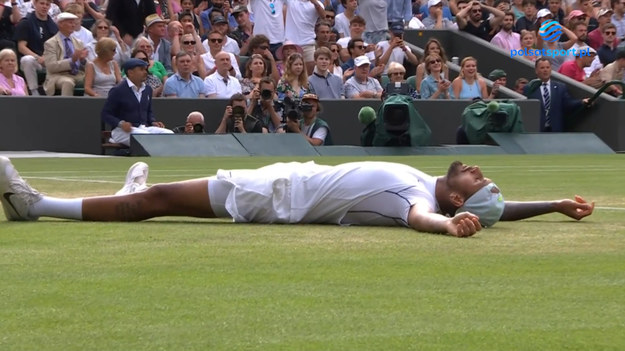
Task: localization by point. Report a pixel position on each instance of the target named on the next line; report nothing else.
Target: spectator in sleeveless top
(469, 84)
(102, 73)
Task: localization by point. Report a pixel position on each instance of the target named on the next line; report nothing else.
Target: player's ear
(456, 199)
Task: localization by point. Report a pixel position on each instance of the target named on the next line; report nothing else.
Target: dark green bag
(478, 120)
(396, 129)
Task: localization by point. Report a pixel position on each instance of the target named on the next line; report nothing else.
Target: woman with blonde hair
(191, 44)
(255, 70)
(434, 85)
(294, 82)
(469, 84)
(102, 73)
(10, 83)
(102, 28)
(433, 46)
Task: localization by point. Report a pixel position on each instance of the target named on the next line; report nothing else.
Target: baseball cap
(496, 74)
(584, 49)
(132, 63)
(65, 16)
(604, 11)
(544, 13)
(239, 9)
(153, 18)
(487, 203)
(219, 20)
(576, 13)
(433, 3)
(310, 96)
(361, 60)
(396, 27)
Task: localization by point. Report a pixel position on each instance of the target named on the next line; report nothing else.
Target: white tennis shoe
(136, 179)
(16, 195)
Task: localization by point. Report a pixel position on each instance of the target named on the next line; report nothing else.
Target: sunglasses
(192, 42)
(610, 33)
(396, 74)
(103, 27)
(434, 61)
(216, 40)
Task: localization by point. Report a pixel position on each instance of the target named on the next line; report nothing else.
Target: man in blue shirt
(184, 84)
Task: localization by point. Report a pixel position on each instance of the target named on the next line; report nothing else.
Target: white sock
(57, 208)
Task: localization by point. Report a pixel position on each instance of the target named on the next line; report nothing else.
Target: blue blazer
(122, 105)
(562, 104)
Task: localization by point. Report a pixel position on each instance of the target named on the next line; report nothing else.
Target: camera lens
(198, 128)
(266, 94)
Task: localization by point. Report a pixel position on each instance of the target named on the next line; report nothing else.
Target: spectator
(218, 6)
(294, 82)
(191, 45)
(595, 38)
(374, 12)
(330, 16)
(615, 71)
(31, 33)
(157, 74)
(581, 31)
(128, 108)
(355, 48)
(102, 28)
(262, 106)
(188, 7)
(244, 30)
(336, 69)
(554, 98)
(313, 128)
(215, 43)
(436, 20)
(556, 61)
(103, 73)
(220, 24)
(499, 79)
(470, 20)
(555, 7)
(504, 6)
(322, 34)
(517, 8)
(435, 85)
(194, 124)
(588, 9)
(607, 50)
(156, 30)
(236, 120)
(356, 29)
(221, 85)
(269, 21)
(167, 9)
(529, 21)
(322, 80)
(173, 31)
(9, 17)
(10, 83)
(259, 44)
(255, 70)
(528, 42)
(575, 69)
(343, 20)
(618, 18)
(433, 46)
(506, 39)
(184, 84)
(399, 11)
(128, 16)
(284, 52)
(300, 20)
(394, 49)
(396, 74)
(449, 9)
(469, 84)
(519, 85)
(65, 58)
(81, 33)
(360, 85)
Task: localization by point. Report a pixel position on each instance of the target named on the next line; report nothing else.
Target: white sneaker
(16, 195)
(136, 179)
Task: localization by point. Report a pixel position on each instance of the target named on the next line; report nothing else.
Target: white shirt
(267, 21)
(341, 24)
(209, 63)
(344, 41)
(397, 55)
(84, 35)
(230, 46)
(135, 90)
(301, 16)
(215, 85)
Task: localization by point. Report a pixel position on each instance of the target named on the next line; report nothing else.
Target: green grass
(548, 283)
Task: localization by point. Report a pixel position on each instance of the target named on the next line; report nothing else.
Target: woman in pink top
(10, 83)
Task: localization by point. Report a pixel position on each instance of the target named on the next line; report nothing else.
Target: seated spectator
(294, 82)
(355, 48)
(499, 79)
(263, 106)
(215, 44)
(607, 50)
(396, 73)
(221, 85)
(31, 33)
(470, 20)
(255, 70)
(575, 69)
(504, 6)
(81, 33)
(469, 84)
(328, 85)
(245, 29)
(220, 25)
(595, 38)
(190, 43)
(322, 34)
(360, 85)
(102, 28)
(615, 71)
(555, 7)
(173, 32)
(259, 44)
(335, 68)
(10, 83)
(284, 52)
(128, 108)
(184, 84)
(188, 7)
(528, 42)
(519, 85)
(435, 85)
(530, 20)
(394, 49)
(156, 29)
(65, 58)
(194, 124)
(507, 39)
(314, 129)
(157, 72)
(236, 120)
(433, 46)
(103, 73)
(9, 17)
(356, 29)
(436, 19)
(517, 9)
(342, 20)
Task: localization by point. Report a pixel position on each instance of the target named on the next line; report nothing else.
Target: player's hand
(464, 224)
(576, 209)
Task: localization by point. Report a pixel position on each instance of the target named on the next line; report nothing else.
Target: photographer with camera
(264, 107)
(236, 120)
(194, 124)
(302, 118)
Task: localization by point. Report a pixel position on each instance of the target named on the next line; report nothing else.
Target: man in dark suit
(128, 108)
(554, 97)
(128, 16)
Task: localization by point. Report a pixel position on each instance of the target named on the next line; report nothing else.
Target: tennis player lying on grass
(459, 203)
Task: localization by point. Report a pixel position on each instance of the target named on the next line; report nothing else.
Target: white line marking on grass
(611, 208)
(82, 180)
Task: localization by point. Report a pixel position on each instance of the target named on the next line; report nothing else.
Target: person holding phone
(394, 49)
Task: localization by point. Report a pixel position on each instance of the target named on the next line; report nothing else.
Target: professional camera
(238, 112)
(293, 109)
(266, 94)
(198, 128)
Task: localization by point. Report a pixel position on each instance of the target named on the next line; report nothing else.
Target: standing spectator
(555, 61)
(361, 86)
(507, 39)
(529, 21)
(343, 20)
(294, 82)
(468, 84)
(398, 11)
(31, 33)
(262, 106)
(10, 83)
(326, 84)
(219, 6)
(103, 73)
(470, 20)
(555, 7)
(167, 9)
(81, 33)
(322, 34)
(91, 12)
(221, 85)
(65, 58)
(244, 30)
(394, 49)
(128, 108)
(607, 50)
(255, 70)
(215, 42)
(9, 17)
(436, 19)
(236, 120)
(330, 16)
(269, 21)
(156, 30)
(102, 28)
(315, 130)
(128, 16)
(434, 85)
(188, 7)
(300, 20)
(595, 38)
(184, 84)
(220, 24)
(155, 68)
(284, 52)
(433, 46)
(587, 7)
(356, 29)
(517, 8)
(335, 68)
(374, 13)
(554, 98)
(618, 18)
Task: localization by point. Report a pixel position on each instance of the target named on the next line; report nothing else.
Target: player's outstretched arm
(576, 209)
(461, 225)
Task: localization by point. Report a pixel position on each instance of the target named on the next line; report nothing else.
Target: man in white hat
(65, 58)
(360, 85)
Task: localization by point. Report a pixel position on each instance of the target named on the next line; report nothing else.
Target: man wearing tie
(555, 100)
(65, 58)
(128, 108)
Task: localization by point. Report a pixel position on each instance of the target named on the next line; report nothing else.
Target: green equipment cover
(398, 124)
(481, 118)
